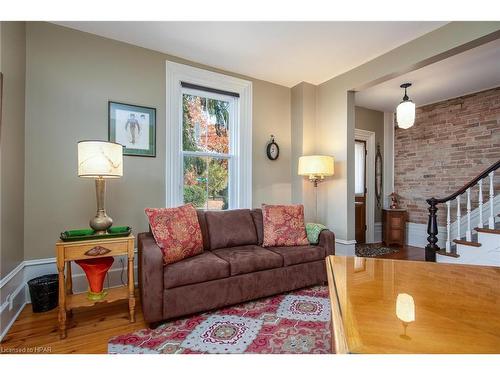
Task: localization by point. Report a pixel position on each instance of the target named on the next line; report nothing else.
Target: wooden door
(360, 192)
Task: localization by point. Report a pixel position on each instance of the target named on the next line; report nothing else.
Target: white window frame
(240, 184)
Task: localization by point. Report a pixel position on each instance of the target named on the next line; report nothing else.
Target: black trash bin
(44, 292)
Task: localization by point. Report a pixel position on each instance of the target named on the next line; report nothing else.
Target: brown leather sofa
(233, 267)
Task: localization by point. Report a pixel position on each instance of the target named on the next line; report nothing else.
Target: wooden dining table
(400, 306)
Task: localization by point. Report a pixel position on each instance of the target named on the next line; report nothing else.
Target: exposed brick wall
(450, 143)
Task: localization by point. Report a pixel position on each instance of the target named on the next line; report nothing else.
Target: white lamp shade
(100, 159)
(316, 165)
(405, 308)
(405, 114)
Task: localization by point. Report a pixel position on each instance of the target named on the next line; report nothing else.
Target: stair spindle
(459, 216)
(468, 233)
(448, 227)
(491, 220)
(480, 224)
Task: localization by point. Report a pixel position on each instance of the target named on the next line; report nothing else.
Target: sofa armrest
(327, 241)
(150, 277)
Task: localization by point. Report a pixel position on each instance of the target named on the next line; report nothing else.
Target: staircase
(479, 243)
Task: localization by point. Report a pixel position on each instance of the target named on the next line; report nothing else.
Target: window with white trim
(209, 147)
(207, 134)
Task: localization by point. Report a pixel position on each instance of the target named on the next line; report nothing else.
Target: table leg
(131, 285)
(62, 293)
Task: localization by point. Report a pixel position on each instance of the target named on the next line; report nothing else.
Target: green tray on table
(89, 234)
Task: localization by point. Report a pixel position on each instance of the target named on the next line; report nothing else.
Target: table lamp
(316, 167)
(100, 160)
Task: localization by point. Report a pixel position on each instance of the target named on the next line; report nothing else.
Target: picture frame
(134, 127)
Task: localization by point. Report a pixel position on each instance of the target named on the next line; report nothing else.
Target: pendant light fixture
(405, 112)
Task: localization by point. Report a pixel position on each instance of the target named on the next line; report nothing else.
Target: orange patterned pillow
(284, 225)
(176, 231)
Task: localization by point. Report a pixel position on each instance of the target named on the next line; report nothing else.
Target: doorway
(364, 188)
(360, 190)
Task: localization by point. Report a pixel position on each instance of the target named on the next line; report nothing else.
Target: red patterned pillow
(284, 225)
(176, 231)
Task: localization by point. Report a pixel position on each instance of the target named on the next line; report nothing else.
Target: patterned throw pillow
(176, 231)
(284, 225)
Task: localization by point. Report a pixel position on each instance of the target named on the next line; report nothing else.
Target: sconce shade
(316, 165)
(100, 159)
(405, 114)
(405, 308)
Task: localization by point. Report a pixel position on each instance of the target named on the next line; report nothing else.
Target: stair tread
(450, 254)
(467, 243)
(487, 230)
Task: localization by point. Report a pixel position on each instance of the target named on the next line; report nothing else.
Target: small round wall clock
(273, 150)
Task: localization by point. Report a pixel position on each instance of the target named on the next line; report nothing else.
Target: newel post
(432, 231)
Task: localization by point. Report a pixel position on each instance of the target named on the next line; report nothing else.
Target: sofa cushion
(284, 225)
(230, 228)
(250, 258)
(204, 229)
(176, 231)
(197, 269)
(299, 254)
(259, 227)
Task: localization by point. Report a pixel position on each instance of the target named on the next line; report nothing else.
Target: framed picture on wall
(134, 127)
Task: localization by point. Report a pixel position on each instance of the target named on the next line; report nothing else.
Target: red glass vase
(96, 270)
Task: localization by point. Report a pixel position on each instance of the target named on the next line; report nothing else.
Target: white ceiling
(286, 53)
(471, 71)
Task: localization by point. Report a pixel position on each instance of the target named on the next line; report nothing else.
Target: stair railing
(432, 227)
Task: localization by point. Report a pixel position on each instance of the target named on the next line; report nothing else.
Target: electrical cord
(123, 269)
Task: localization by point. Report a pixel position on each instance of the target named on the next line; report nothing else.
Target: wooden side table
(71, 251)
(394, 226)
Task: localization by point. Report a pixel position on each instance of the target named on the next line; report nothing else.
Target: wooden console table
(77, 250)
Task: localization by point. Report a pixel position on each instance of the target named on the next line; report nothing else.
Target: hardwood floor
(90, 328)
(407, 253)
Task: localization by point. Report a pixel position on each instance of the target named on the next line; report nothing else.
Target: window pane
(206, 182)
(195, 181)
(218, 178)
(359, 160)
(205, 124)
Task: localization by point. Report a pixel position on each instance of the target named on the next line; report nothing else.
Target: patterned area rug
(293, 323)
(373, 250)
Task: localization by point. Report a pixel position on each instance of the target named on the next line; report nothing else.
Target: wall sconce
(316, 167)
(405, 311)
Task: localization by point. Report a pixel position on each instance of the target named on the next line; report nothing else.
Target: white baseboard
(345, 247)
(377, 232)
(417, 235)
(14, 292)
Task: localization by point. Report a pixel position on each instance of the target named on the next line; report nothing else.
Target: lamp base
(101, 222)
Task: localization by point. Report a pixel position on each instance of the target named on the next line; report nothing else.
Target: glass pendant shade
(405, 114)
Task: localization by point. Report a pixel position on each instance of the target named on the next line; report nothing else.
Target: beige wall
(70, 77)
(12, 145)
(371, 120)
(303, 143)
(271, 115)
(335, 115)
